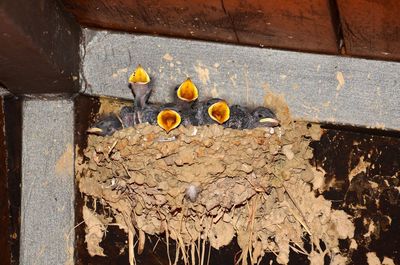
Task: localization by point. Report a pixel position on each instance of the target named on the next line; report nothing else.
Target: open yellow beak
(219, 112)
(168, 119)
(139, 76)
(187, 91)
(94, 130)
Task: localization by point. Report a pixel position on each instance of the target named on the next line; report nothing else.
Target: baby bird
(214, 110)
(240, 118)
(168, 117)
(186, 93)
(185, 96)
(263, 117)
(139, 83)
(106, 126)
(127, 115)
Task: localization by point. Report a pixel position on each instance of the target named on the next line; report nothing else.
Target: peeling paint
(120, 72)
(214, 92)
(64, 164)
(203, 73)
(168, 57)
(340, 79)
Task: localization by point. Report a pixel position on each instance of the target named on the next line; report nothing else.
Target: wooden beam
(47, 195)
(287, 24)
(371, 28)
(319, 88)
(10, 178)
(295, 25)
(5, 253)
(39, 47)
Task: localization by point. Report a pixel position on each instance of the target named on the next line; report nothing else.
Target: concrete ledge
(47, 204)
(319, 88)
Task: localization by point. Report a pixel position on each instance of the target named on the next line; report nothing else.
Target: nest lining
(212, 183)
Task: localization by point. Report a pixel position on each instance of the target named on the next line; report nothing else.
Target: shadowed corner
(10, 182)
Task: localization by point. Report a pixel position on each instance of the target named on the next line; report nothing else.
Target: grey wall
(316, 87)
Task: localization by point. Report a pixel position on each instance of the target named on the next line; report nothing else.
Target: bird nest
(211, 184)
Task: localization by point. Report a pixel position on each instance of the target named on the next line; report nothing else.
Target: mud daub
(363, 177)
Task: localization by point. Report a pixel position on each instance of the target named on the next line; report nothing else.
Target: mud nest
(209, 183)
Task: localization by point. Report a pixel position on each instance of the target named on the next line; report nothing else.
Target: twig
(130, 248)
(111, 148)
(304, 222)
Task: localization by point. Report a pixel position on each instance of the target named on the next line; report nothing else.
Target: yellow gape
(139, 76)
(168, 119)
(219, 112)
(187, 91)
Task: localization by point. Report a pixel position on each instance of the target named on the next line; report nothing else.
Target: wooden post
(39, 50)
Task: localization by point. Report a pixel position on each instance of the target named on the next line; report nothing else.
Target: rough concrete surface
(319, 88)
(47, 207)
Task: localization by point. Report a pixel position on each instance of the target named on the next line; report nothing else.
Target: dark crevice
(231, 20)
(13, 143)
(361, 130)
(337, 25)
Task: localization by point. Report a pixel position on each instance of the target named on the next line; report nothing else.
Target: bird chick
(149, 113)
(185, 96)
(139, 83)
(186, 92)
(106, 126)
(214, 110)
(168, 118)
(263, 117)
(240, 118)
(127, 115)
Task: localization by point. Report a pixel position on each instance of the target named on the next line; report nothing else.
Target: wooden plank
(297, 25)
(10, 178)
(192, 19)
(39, 48)
(319, 88)
(371, 28)
(284, 24)
(5, 253)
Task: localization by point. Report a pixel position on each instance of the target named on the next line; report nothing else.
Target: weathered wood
(39, 47)
(297, 25)
(371, 28)
(319, 88)
(10, 178)
(5, 253)
(284, 24)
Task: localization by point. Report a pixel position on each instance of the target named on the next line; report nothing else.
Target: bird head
(139, 76)
(218, 110)
(265, 117)
(168, 119)
(106, 126)
(187, 91)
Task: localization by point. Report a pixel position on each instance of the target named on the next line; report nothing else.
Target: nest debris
(211, 183)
